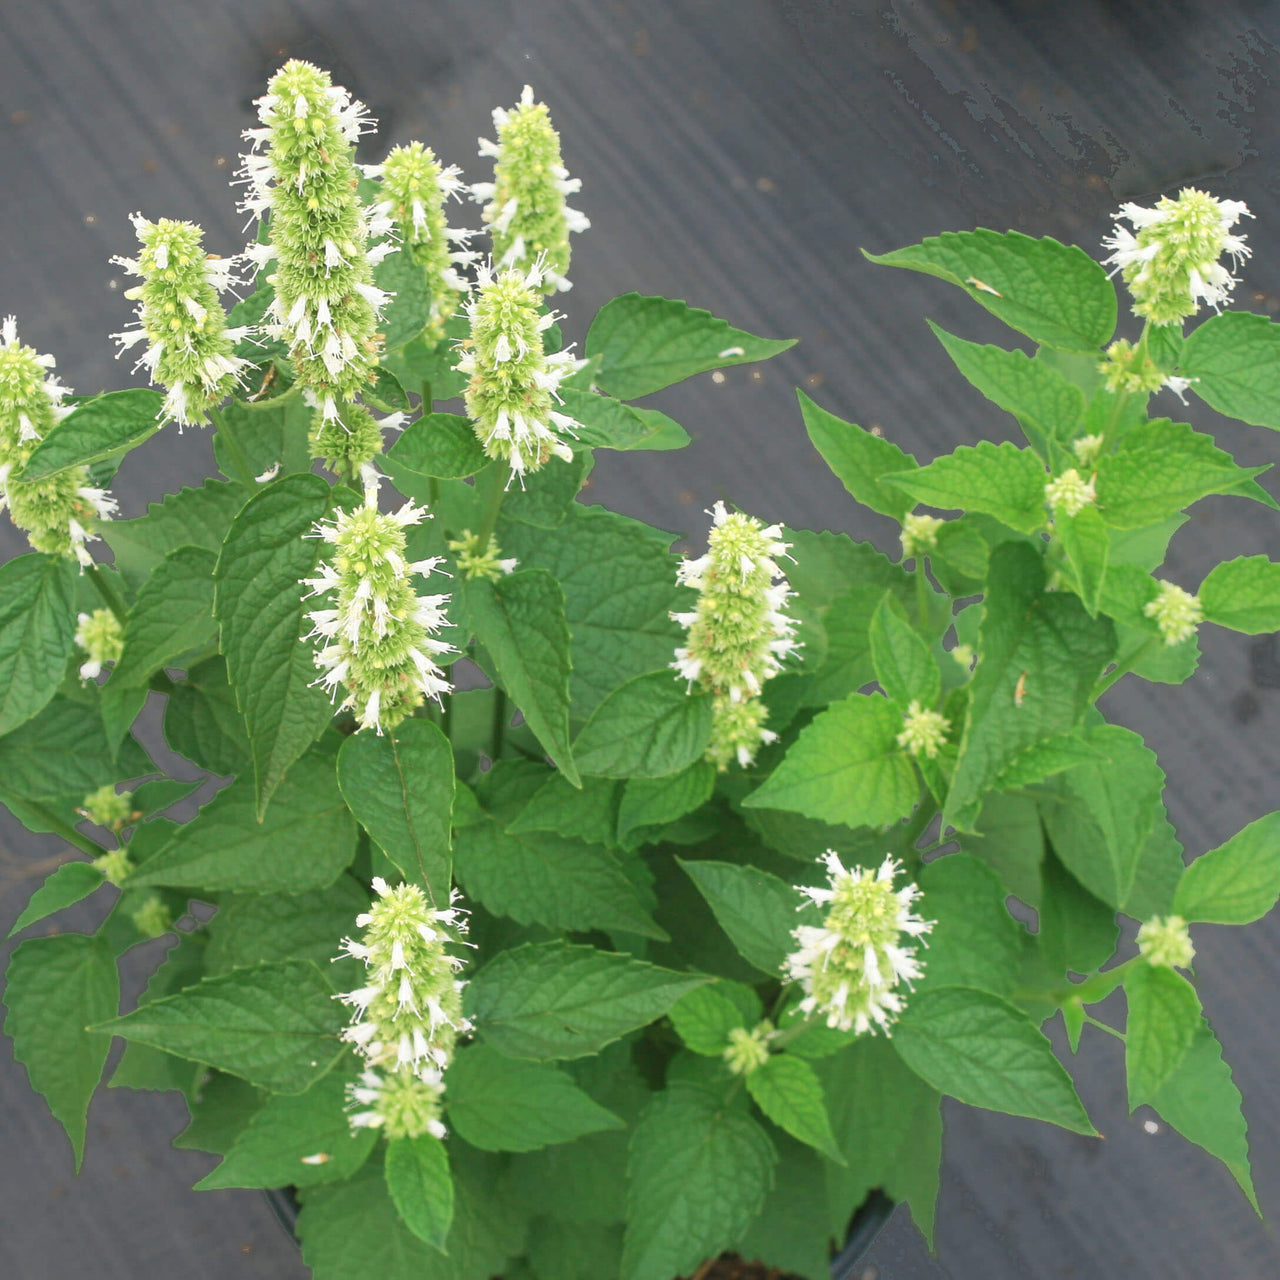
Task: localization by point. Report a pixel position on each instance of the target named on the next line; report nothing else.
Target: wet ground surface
(736, 153)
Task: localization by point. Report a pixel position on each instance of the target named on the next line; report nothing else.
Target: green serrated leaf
(1243, 594)
(788, 1091)
(253, 438)
(1232, 360)
(606, 423)
(172, 615)
(259, 603)
(1236, 883)
(55, 988)
(440, 444)
(704, 1016)
(408, 312)
(650, 727)
(545, 497)
(647, 343)
(698, 1174)
(649, 803)
(203, 723)
(421, 1186)
(1078, 932)
(905, 668)
(104, 427)
(305, 841)
(1054, 293)
(37, 633)
(508, 1104)
(554, 1000)
(400, 787)
(1084, 539)
(846, 768)
(219, 1113)
(588, 813)
(69, 884)
(1164, 1017)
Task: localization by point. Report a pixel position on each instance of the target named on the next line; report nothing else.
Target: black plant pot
(866, 1223)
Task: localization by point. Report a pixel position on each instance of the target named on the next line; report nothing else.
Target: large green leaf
(588, 813)
(172, 615)
(1078, 932)
(421, 1186)
(905, 668)
(520, 620)
(400, 786)
(1236, 883)
(1041, 654)
(55, 988)
(509, 1104)
(650, 803)
(275, 1025)
(1164, 1017)
(37, 633)
(648, 343)
(606, 423)
(845, 767)
(698, 1174)
(651, 727)
(259, 603)
(1243, 594)
(305, 841)
(296, 1140)
(978, 1048)
(553, 1000)
(70, 883)
(788, 1091)
(1233, 361)
(704, 1017)
(104, 427)
(203, 723)
(1054, 293)
(409, 308)
(858, 458)
(440, 444)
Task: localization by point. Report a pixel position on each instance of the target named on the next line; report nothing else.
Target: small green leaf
(55, 988)
(69, 884)
(858, 459)
(508, 1104)
(1054, 293)
(1243, 594)
(252, 438)
(409, 309)
(1000, 480)
(172, 615)
(650, 727)
(1236, 883)
(275, 1025)
(1084, 539)
(704, 1016)
(698, 1174)
(905, 668)
(521, 621)
(978, 1048)
(647, 343)
(789, 1092)
(546, 496)
(104, 427)
(1233, 361)
(219, 1113)
(651, 803)
(606, 423)
(421, 1186)
(1164, 1017)
(1078, 932)
(1008, 837)
(440, 444)
(37, 633)
(203, 723)
(554, 1000)
(845, 768)
(305, 841)
(385, 392)
(400, 787)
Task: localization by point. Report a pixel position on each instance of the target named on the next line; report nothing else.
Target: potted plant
(566, 907)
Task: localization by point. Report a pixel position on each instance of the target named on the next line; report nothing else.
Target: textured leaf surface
(1236, 883)
(904, 666)
(845, 767)
(409, 308)
(421, 1186)
(203, 723)
(588, 813)
(54, 989)
(70, 883)
(648, 803)
(275, 1025)
(440, 444)
(508, 1104)
(978, 1048)
(698, 1174)
(103, 427)
(1164, 1017)
(650, 727)
(554, 1000)
(37, 633)
(704, 1016)
(259, 604)
(607, 423)
(788, 1091)
(647, 343)
(1243, 594)
(1054, 293)
(1233, 360)
(400, 786)
(172, 614)
(305, 841)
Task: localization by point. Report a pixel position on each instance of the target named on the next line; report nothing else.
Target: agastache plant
(667, 1021)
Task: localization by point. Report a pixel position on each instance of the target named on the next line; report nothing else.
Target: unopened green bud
(919, 534)
(749, 1049)
(115, 865)
(1165, 940)
(107, 809)
(476, 563)
(924, 732)
(1126, 369)
(153, 919)
(1087, 450)
(1176, 612)
(1069, 493)
(348, 440)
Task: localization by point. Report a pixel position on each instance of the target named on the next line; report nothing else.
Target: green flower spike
(101, 636)
(524, 206)
(1177, 613)
(513, 384)
(738, 634)
(403, 1103)
(57, 513)
(189, 349)
(924, 732)
(476, 563)
(106, 808)
(326, 306)
(415, 188)
(380, 632)
(1165, 940)
(153, 919)
(349, 439)
(1171, 263)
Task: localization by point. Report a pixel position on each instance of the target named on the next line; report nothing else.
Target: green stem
(1102, 1026)
(107, 590)
(446, 713)
(500, 713)
(1123, 669)
(239, 463)
(497, 477)
(64, 829)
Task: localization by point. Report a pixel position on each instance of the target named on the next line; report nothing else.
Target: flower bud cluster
(1069, 493)
(56, 513)
(525, 208)
(346, 437)
(189, 348)
(1176, 612)
(1170, 259)
(513, 384)
(100, 635)
(919, 534)
(738, 634)
(415, 186)
(1165, 940)
(326, 306)
(407, 1018)
(475, 562)
(107, 808)
(924, 732)
(379, 634)
(851, 965)
(115, 865)
(748, 1050)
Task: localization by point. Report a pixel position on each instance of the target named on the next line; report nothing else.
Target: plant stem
(1091, 1021)
(1123, 669)
(446, 713)
(107, 590)
(64, 829)
(501, 477)
(239, 463)
(500, 713)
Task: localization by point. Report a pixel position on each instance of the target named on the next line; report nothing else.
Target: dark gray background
(736, 153)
